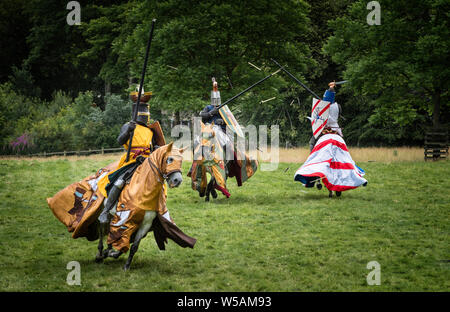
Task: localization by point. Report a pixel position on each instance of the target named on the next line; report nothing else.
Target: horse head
(169, 160)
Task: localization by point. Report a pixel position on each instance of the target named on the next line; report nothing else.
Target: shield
(231, 122)
(319, 116)
(158, 133)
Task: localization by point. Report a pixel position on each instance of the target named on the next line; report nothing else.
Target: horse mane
(158, 154)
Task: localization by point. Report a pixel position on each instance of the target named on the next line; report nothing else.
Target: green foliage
(102, 127)
(398, 65)
(398, 71)
(16, 113)
(14, 28)
(80, 125)
(214, 39)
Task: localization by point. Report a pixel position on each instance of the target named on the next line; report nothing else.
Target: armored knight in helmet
(146, 138)
(210, 114)
(332, 125)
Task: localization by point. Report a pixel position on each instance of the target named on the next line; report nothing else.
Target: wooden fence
(77, 153)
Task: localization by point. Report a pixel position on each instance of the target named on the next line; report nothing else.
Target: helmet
(215, 93)
(143, 113)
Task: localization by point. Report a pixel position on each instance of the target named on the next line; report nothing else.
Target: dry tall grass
(293, 155)
(361, 154)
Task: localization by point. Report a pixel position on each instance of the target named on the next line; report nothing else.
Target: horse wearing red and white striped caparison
(331, 163)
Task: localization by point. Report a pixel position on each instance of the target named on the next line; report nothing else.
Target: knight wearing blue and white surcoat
(335, 109)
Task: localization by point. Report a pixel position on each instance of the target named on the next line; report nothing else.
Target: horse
(140, 208)
(331, 163)
(214, 153)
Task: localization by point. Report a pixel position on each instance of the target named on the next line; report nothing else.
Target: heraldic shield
(158, 133)
(319, 116)
(231, 122)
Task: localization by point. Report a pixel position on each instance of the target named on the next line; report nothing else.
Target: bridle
(164, 176)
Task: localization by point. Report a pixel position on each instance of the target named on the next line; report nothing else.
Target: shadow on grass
(264, 199)
(144, 262)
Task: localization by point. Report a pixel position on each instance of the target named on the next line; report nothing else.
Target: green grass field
(271, 235)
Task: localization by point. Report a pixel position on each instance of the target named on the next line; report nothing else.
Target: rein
(164, 176)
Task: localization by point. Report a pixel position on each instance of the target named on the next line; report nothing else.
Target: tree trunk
(436, 108)
(107, 88)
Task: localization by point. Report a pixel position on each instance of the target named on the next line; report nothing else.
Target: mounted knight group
(128, 198)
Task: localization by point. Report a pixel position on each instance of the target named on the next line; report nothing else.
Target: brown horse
(140, 208)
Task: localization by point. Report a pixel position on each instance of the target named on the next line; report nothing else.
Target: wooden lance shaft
(298, 81)
(135, 114)
(252, 86)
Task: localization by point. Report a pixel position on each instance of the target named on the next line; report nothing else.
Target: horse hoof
(338, 193)
(330, 194)
(319, 186)
(114, 254)
(207, 199)
(98, 259)
(126, 267)
(214, 194)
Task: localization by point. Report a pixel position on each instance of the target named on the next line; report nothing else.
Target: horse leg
(319, 185)
(113, 253)
(212, 190)
(104, 223)
(208, 190)
(108, 251)
(133, 250)
(330, 194)
(142, 231)
(100, 255)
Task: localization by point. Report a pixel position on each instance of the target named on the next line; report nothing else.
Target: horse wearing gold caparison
(140, 208)
(215, 154)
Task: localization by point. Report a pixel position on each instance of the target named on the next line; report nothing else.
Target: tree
(193, 43)
(14, 28)
(401, 66)
(104, 33)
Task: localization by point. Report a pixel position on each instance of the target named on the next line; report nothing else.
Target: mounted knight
(215, 153)
(329, 161)
(146, 137)
(333, 114)
(127, 199)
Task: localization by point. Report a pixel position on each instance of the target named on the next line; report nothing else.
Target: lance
(296, 80)
(140, 87)
(251, 87)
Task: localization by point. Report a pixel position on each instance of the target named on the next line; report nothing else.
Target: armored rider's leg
(113, 196)
(312, 142)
